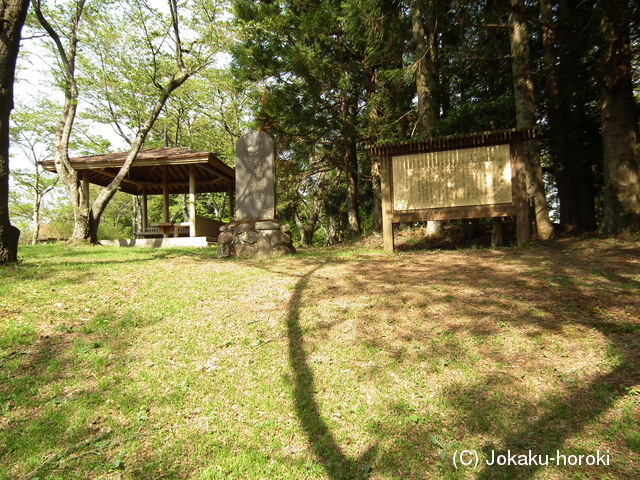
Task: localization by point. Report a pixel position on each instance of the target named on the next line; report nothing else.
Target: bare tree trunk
(12, 17)
(525, 117)
(423, 29)
(352, 190)
(376, 220)
(306, 229)
(619, 142)
(184, 206)
(136, 214)
(332, 231)
(69, 177)
(37, 202)
(497, 235)
(573, 174)
(554, 114)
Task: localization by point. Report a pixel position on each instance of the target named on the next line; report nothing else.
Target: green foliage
(117, 220)
(208, 114)
(323, 76)
(127, 57)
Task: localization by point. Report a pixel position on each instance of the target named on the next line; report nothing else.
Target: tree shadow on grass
(324, 445)
(570, 412)
(504, 297)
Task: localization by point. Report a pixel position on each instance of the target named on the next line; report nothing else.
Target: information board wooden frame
(518, 206)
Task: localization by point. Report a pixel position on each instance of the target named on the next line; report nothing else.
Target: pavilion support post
(192, 201)
(145, 217)
(165, 194)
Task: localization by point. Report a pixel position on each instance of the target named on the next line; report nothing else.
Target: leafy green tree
(34, 185)
(129, 49)
(208, 113)
(32, 134)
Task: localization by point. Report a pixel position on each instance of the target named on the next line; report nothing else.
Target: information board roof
(478, 139)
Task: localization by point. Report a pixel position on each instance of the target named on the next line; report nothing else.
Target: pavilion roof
(147, 171)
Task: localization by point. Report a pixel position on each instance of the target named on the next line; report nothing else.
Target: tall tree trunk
(423, 30)
(12, 17)
(136, 213)
(332, 231)
(572, 168)
(37, 201)
(69, 177)
(376, 216)
(619, 143)
(184, 206)
(350, 163)
(554, 112)
(352, 189)
(525, 117)
(306, 229)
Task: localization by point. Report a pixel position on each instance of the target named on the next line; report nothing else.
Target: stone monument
(255, 177)
(255, 231)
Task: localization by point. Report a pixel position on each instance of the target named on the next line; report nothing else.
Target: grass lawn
(340, 363)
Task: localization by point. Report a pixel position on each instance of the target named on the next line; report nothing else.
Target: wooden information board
(470, 176)
(452, 178)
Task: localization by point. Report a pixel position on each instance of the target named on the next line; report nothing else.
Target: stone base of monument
(248, 238)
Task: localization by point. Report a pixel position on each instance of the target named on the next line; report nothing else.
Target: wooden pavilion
(163, 171)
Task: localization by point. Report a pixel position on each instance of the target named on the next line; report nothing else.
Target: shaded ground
(345, 363)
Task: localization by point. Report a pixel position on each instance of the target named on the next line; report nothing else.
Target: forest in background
(328, 78)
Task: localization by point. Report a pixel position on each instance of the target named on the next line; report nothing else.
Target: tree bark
(423, 29)
(12, 17)
(306, 230)
(69, 177)
(332, 231)
(618, 121)
(37, 202)
(525, 117)
(571, 165)
(376, 214)
(554, 112)
(352, 190)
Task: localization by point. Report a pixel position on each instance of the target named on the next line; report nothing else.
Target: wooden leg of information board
(387, 212)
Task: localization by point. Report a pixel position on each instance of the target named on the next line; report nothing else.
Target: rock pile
(248, 238)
